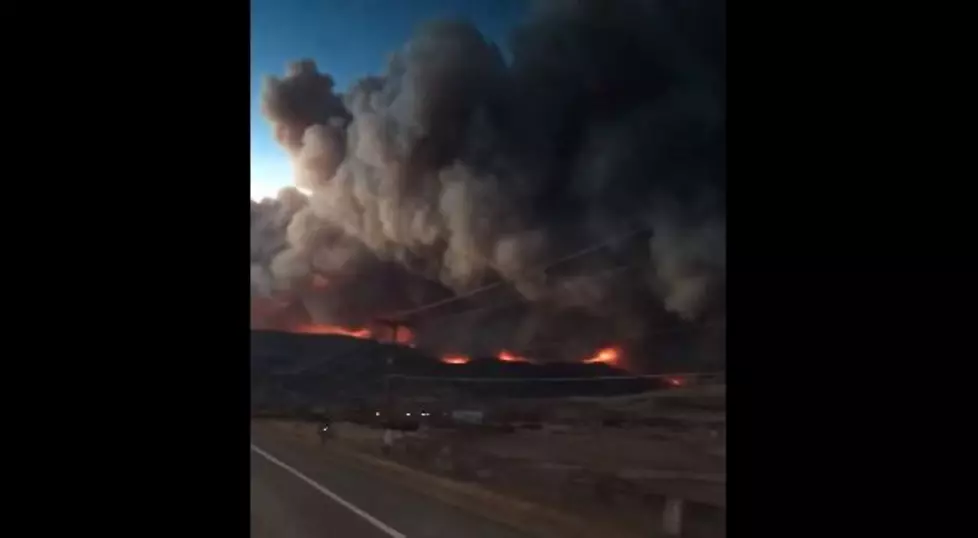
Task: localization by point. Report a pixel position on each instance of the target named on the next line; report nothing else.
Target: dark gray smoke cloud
(454, 169)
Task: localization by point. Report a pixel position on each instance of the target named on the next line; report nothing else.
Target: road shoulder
(529, 518)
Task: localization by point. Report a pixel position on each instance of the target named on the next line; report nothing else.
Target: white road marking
(339, 500)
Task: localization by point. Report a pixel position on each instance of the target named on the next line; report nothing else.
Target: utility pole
(394, 325)
(388, 403)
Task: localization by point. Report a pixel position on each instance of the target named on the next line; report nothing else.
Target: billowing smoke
(603, 135)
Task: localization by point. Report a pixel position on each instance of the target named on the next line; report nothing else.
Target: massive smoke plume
(455, 169)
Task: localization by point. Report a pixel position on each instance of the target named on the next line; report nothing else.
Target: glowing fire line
(315, 328)
(507, 356)
(608, 355)
(455, 359)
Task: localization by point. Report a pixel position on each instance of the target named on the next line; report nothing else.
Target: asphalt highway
(299, 491)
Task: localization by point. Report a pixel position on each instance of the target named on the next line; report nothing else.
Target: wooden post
(672, 517)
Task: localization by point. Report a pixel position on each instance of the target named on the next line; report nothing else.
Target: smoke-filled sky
(353, 38)
(581, 169)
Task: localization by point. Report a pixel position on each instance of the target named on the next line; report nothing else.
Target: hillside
(310, 364)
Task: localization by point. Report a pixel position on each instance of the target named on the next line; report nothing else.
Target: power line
(524, 300)
(521, 300)
(358, 349)
(498, 283)
(423, 308)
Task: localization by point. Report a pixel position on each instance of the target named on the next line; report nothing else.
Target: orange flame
(404, 336)
(506, 356)
(455, 359)
(318, 328)
(608, 355)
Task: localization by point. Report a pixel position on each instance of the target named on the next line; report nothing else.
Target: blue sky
(347, 39)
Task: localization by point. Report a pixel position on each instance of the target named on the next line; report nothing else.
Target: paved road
(300, 492)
